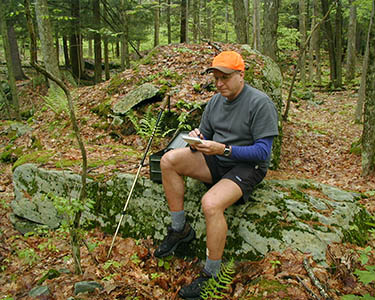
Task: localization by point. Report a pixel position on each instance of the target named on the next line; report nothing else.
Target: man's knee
(209, 205)
(171, 159)
(166, 160)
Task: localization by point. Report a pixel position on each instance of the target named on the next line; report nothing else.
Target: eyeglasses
(225, 77)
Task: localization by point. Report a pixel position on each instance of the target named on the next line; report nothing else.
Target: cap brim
(221, 69)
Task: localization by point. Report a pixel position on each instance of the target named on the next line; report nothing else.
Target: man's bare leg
(174, 165)
(214, 202)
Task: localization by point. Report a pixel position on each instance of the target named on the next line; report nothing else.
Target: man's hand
(210, 148)
(196, 133)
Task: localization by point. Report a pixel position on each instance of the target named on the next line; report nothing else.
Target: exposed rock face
(300, 214)
(135, 96)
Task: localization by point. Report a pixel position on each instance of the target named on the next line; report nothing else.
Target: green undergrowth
(269, 288)
(51, 157)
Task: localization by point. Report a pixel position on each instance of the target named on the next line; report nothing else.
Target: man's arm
(260, 150)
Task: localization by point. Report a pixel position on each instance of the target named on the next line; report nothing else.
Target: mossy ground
(267, 289)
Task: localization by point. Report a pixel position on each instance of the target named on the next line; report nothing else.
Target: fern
(215, 288)
(56, 101)
(145, 126)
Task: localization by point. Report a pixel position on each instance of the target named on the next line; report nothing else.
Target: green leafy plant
(366, 276)
(28, 256)
(68, 207)
(48, 245)
(215, 288)
(186, 108)
(111, 263)
(275, 263)
(56, 101)
(155, 275)
(135, 259)
(145, 126)
(165, 262)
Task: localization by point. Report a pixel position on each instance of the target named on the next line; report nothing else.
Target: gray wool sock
(212, 266)
(178, 220)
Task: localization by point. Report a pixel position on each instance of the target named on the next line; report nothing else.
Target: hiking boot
(193, 290)
(173, 239)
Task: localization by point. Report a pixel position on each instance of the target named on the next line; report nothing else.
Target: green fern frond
(216, 288)
(145, 126)
(56, 101)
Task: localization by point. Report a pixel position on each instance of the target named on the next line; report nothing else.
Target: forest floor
(317, 143)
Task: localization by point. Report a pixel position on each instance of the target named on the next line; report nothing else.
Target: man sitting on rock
(237, 129)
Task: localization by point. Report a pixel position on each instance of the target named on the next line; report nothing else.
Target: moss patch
(39, 157)
(116, 83)
(103, 109)
(358, 232)
(269, 289)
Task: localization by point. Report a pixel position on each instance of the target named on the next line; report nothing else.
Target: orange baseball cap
(227, 62)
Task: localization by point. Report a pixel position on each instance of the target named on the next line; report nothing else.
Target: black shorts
(245, 175)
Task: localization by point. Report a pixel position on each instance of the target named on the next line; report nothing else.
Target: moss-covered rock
(297, 214)
(144, 92)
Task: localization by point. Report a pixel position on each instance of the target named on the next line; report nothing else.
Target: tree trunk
(338, 45)
(362, 88)
(334, 42)
(46, 40)
(169, 27)
(270, 24)
(208, 29)
(240, 21)
(125, 60)
(156, 24)
(14, 52)
(31, 29)
(352, 32)
(66, 51)
(57, 47)
(106, 58)
(227, 21)
(11, 78)
(195, 13)
(256, 25)
(97, 41)
(106, 53)
(315, 45)
(368, 135)
(302, 30)
(74, 41)
(184, 22)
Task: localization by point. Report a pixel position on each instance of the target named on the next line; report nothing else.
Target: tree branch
(314, 280)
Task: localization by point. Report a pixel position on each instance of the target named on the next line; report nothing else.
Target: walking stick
(163, 105)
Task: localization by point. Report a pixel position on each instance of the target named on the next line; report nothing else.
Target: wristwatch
(227, 150)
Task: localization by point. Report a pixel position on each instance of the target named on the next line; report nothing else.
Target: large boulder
(144, 92)
(299, 214)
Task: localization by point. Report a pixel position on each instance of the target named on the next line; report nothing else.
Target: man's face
(229, 85)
